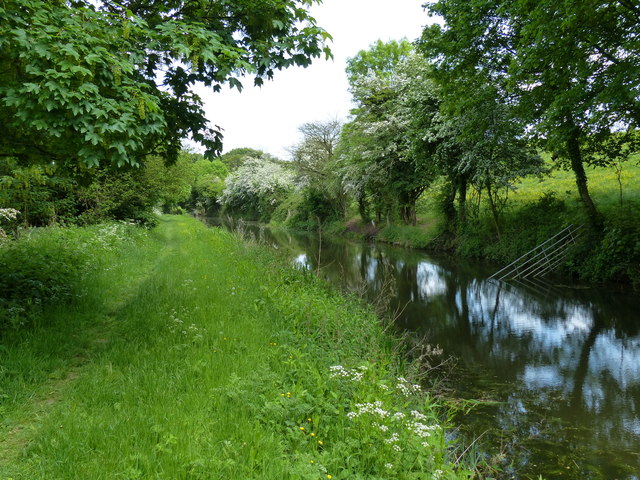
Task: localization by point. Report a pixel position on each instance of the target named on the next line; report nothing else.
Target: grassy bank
(534, 211)
(184, 353)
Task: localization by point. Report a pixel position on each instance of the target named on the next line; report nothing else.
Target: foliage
(613, 258)
(169, 185)
(314, 162)
(495, 154)
(380, 60)
(111, 82)
(385, 160)
(235, 158)
(256, 188)
(43, 193)
(48, 266)
(308, 209)
(208, 185)
(56, 194)
(131, 193)
(568, 67)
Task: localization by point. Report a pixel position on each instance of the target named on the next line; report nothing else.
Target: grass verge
(189, 354)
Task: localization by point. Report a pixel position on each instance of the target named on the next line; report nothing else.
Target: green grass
(602, 181)
(189, 354)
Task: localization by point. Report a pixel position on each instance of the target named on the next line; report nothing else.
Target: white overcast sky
(268, 118)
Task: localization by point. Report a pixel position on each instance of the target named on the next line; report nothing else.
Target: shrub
(308, 209)
(256, 189)
(47, 266)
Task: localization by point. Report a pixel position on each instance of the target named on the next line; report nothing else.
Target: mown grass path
(194, 355)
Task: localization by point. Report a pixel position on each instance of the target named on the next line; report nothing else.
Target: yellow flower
(309, 420)
(312, 462)
(320, 442)
(313, 434)
(329, 476)
(301, 428)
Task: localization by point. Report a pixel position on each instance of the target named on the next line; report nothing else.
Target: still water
(558, 365)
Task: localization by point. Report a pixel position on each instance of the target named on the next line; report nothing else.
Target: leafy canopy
(565, 64)
(109, 82)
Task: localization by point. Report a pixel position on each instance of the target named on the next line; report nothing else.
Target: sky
(268, 118)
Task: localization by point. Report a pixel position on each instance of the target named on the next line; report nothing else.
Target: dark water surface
(559, 364)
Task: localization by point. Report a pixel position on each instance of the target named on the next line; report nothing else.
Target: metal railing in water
(543, 259)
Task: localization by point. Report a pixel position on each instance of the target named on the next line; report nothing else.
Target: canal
(556, 367)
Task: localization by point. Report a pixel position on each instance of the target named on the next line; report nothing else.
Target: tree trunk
(448, 207)
(575, 156)
(462, 199)
(362, 208)
(494, 210)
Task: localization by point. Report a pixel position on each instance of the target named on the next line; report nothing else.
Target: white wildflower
(355, 374)
(394, 438)
(374, 408)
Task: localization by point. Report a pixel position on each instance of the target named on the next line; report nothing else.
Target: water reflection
(562, 363)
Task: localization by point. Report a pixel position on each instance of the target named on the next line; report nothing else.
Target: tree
(314, 161)
(256, 188)
(382, 143)
(97, 82)
(571, 68)
(380, 60)
(494, 152)
(208, 184)
(235, 158)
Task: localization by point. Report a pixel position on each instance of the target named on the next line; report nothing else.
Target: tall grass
(195, 356)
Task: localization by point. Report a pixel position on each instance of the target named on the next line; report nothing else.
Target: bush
(612, 257)
(47, 267)
(310, 208)
(256, 189)
(522, 229)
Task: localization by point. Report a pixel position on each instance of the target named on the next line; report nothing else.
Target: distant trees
(50, 194)
(255, 189)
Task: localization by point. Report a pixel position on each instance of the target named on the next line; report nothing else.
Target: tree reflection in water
(563, 363)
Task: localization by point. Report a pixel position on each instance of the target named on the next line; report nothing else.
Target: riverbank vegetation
(184, 352)
(447, 147)
(470, 124)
